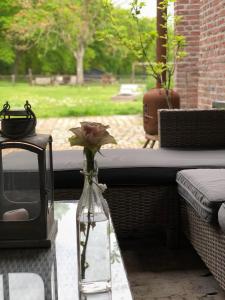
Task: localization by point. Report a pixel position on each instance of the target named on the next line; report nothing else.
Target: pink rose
(91, 135)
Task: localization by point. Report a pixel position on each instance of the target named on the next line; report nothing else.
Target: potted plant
(169, 44)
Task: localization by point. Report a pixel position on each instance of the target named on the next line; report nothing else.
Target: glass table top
(51, 274)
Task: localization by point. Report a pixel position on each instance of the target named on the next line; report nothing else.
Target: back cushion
(193, 128)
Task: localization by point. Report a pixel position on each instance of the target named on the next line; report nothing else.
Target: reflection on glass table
(52, 274)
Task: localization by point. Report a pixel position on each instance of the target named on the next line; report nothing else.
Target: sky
(148, 11)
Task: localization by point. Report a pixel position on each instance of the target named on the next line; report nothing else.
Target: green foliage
(48, 26)
(44, 35)
(129, 34)
(113, 50)
(7, 11)
(43, 24)
(7, 55)
(174, 43)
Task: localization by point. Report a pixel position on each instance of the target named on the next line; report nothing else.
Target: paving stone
(127, 130)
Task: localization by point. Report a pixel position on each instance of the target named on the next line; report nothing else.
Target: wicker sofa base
(135, 210)
(207, 239)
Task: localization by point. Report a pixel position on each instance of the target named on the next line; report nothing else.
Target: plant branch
(83, 254)
(154, 74)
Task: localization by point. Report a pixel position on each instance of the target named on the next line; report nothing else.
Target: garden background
(88, 39)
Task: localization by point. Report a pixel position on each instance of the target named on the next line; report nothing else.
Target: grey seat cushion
(124, 166)
(204, 190)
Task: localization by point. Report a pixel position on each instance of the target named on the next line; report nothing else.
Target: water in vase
(98, 296)
(94, 256)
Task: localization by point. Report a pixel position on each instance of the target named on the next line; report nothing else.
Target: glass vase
(93, 237)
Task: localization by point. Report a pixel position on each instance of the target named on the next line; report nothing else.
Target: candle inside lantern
(20, 214)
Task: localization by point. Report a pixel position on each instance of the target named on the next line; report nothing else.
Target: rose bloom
(91, 135)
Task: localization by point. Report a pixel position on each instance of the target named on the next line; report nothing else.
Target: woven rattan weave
(207, 239)
(136, 210)
(193, 128)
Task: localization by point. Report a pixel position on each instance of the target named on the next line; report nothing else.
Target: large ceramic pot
(154, 100)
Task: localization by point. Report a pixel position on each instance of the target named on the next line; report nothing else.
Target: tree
(117, 47)
(51, 23)
(7, 11)
(38, 35)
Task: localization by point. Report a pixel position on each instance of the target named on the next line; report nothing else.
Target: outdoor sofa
(142, 190)
(201, 190)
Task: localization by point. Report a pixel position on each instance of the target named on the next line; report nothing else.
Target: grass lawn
(64, 101)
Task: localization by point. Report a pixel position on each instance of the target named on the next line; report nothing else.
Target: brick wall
(186, 76)
(211, 52)
(200, 77)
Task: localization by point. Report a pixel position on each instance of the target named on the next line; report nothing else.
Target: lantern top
(38, 140)
(17, 124)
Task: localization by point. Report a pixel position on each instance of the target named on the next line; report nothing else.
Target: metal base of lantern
(32, 243)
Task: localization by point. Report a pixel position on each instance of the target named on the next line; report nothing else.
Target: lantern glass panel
(1, 287)
(20, 187)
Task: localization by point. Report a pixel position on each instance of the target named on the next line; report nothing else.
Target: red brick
(200, 77)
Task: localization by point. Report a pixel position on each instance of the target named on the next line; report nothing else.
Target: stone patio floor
(127, 130)
(157, 273)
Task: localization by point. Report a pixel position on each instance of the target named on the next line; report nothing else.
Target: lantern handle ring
(27, 105)
(6, 107)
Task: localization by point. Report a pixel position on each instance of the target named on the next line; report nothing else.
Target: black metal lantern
(26, 192)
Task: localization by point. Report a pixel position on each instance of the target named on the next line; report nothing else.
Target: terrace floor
(157, 273)
(127, 130)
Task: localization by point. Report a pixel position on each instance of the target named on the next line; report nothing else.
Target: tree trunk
(15, 67)
(79, 55)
